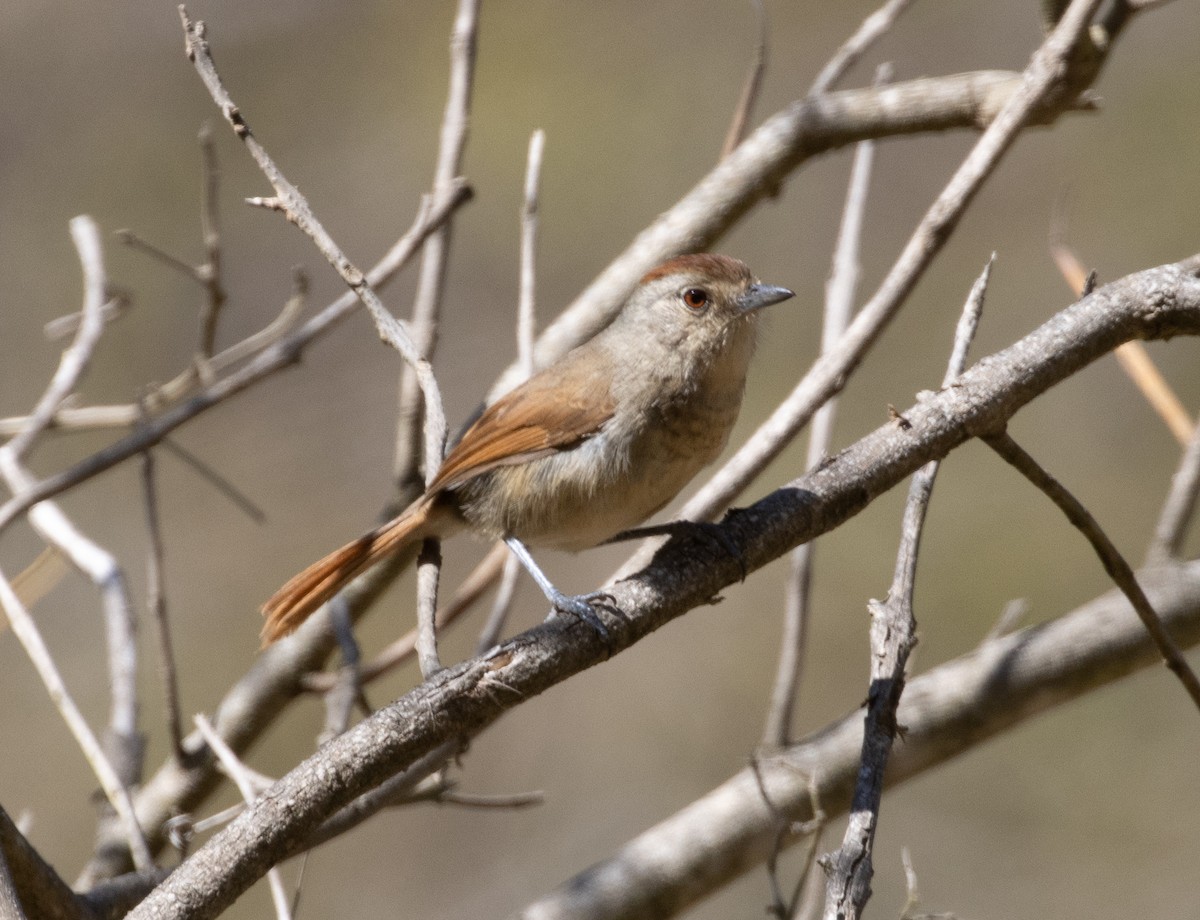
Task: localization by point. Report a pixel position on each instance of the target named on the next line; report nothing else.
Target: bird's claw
(581, 607)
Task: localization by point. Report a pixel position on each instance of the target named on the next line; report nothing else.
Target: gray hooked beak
(762, 295)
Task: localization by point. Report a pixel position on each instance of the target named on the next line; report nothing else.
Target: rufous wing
(553, 411)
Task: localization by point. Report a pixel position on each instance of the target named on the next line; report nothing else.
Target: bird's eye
(695, 298)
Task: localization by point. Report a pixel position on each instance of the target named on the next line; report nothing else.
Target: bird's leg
(578, 605)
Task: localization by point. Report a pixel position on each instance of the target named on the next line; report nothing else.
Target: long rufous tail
(296, 601)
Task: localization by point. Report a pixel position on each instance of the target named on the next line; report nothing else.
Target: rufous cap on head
(709, 264)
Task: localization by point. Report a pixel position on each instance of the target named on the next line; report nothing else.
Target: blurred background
(1082, 813)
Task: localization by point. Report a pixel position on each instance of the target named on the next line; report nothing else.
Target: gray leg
(578, 605)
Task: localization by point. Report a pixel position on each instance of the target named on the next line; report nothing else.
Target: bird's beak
(762, 295)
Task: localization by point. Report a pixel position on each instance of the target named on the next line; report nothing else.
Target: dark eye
(696, 298)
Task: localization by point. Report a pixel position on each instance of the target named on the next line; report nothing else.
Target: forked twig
(296, 207)
(893, 636)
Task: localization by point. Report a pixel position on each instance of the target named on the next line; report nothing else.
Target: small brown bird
(590, 446)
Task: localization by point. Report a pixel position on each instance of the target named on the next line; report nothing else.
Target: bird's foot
(583, 607)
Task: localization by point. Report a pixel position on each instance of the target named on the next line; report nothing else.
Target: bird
(587, 448)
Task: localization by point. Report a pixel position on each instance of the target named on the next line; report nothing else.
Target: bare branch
(527, 300)
(157, 602)
(1114, 563)
(240, 500)
(436, 253)
(950, 710)
(506, 593)
(246, 784)
(893, 636)
(133, 241)
(429, 567)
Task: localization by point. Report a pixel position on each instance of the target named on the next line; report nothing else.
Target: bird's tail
(296, 601)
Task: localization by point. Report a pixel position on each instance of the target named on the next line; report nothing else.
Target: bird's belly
(578, 498)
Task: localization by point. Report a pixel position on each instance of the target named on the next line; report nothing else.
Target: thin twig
(115, 791)
(751, 86)
(872, 29)
(1180, 507)
(1114, 563)
(1012, 614)
(240, 499)
(125, 416)
(893, 636)
(146, 248)
(840, 292)
(273, 331)
(512, 801)
(40, 577)
(157, 602)
(506, 593)
(347, 689)
(426, 315)
(61, 327)
(912, 891)
(209, 272)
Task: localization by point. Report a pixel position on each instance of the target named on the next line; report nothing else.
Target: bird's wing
(550, 412)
